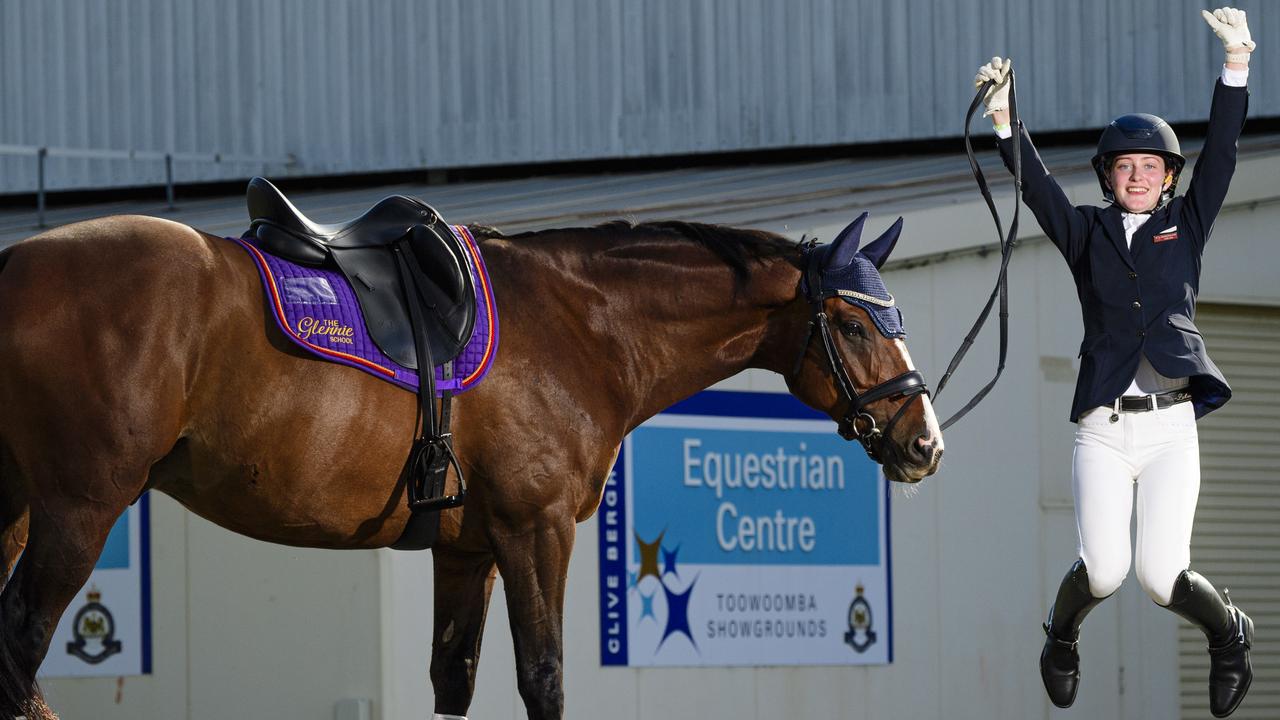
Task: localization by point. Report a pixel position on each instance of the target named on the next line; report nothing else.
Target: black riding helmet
(1138, 133)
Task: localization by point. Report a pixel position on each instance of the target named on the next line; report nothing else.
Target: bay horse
(138, 354)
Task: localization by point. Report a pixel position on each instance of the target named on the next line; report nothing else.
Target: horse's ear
(877, 251)
(845, 246)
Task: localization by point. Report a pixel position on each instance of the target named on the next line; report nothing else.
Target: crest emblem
(94, 631)
(860, 635)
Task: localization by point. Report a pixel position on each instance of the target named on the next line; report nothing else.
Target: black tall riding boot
(1230, 635)
(1060, 660)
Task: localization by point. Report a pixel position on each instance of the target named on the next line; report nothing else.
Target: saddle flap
(445, 291)
(445, 286)
(441, 260)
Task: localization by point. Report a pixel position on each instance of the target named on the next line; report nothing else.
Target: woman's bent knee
(1105, 578)
(1158, 583)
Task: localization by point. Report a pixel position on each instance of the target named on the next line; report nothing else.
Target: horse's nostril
(925, 445)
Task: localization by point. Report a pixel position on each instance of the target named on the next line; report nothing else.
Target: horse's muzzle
(919, 460)
(902, 464)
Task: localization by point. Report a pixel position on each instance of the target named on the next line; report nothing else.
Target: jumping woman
(1145, 377)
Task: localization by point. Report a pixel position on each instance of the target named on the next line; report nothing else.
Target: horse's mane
(736, 247)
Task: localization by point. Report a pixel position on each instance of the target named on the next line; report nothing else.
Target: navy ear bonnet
(859, 283)
(854, 276)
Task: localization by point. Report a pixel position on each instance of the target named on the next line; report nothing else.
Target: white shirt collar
(1133, 221)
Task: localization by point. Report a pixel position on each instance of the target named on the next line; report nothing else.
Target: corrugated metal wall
(336, 86)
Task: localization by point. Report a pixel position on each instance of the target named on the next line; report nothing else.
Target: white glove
(1230, 26)
(997, 97)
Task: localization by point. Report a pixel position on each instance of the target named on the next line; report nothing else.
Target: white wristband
(1242, 58)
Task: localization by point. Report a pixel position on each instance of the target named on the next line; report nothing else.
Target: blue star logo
(646, 606)
(678, 614)
(669, 561)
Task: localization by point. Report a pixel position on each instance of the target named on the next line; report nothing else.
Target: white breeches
(1159, 451)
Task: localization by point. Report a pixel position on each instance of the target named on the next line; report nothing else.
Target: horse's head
(853, 363)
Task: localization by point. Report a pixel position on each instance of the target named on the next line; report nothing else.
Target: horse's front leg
(533, 563)
(463, 583)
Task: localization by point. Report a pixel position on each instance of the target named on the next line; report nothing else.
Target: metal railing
(43, 153)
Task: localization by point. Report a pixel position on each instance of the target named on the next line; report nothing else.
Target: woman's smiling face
(1137, 180)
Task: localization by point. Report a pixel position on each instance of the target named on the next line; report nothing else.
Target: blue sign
(740, 529)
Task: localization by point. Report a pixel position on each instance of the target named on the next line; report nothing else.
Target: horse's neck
(681, 325)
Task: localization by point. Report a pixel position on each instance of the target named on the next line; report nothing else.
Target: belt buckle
(1152, 405)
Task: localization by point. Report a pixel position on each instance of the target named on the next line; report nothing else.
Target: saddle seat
(365, 251)
(389, 220)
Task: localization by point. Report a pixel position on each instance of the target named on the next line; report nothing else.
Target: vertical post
(41, 154)
(168, 178)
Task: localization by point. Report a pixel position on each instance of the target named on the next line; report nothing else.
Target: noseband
(859, 422)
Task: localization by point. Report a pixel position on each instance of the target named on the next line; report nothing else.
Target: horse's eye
(852, 329)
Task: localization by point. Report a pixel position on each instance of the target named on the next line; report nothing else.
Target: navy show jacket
(1141, 300)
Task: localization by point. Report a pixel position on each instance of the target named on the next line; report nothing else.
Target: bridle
(861, 426)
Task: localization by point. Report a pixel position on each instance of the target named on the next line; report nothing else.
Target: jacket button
(1137, 305)
(1142, 333)
(1133, 275)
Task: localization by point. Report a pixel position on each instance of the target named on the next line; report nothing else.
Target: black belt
(1145, 403)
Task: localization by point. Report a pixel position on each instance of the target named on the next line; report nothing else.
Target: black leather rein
(1007, 244)
(857, 423)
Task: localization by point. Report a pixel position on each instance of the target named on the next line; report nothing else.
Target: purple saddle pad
(317, 309)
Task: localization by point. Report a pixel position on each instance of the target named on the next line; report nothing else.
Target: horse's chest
(603, 478)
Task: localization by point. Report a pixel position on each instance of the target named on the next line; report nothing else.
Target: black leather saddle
(365, 251)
